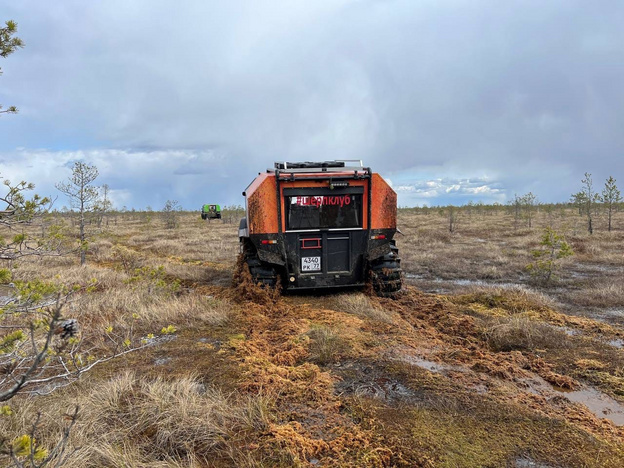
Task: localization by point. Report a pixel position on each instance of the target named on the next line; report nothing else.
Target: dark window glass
(323, 212)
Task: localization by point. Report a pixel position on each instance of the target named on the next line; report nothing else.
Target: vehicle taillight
(268, 241)
(379, 236)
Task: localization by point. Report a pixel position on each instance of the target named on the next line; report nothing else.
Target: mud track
(410, 381)
(353, 380)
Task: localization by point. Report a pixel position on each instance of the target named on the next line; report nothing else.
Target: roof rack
(339, 165)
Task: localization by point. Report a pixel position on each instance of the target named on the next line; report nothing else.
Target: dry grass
(522, 333)
(609, 293)
(360, 305)
(128, 421)
(249, 382)
(514, 300)
(488, 248)
(327, 344)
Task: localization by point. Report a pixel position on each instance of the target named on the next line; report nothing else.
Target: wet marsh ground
(489, 248)
(472, 365)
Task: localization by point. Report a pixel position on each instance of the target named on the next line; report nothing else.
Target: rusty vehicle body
(317, 225)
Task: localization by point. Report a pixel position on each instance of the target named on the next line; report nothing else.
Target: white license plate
(311, 264)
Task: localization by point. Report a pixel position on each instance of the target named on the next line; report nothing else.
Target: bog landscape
(500, 350)
(422, 279)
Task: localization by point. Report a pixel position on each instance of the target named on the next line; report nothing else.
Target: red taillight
(379, 236)
(268, 241)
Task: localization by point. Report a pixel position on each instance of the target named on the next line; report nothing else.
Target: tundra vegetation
(181, 366)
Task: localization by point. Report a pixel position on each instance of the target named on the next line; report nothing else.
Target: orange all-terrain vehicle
(315, 225)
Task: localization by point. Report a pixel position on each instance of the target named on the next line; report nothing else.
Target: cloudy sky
(452, 100)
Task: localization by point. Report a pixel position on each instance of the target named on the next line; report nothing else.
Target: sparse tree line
(552, 249)
(590, 203)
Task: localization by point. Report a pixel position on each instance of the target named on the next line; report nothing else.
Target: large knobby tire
(386, 273)
(261, 273)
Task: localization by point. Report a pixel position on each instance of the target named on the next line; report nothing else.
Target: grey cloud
(136, 179)
(529, 92)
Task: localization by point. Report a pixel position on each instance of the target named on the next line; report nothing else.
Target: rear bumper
(330, 287)
(341, 256)
(320, 280)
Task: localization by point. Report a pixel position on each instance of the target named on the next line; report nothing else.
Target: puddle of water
(598, 403)
(529, 463)
(614, 312)
(460, 282)
(602, 405)
(415, 275)
(585, 270)
(431, 366)
(535, 385)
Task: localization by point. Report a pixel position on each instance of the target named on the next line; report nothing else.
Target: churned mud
(418, 380)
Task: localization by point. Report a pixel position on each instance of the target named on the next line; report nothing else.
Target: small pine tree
(553, 248)
(611, 196)
(83, 196)
(528, 203)
(589, 198)
(452, 216)
(170, 213)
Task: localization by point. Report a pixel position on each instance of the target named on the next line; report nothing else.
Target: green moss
(446, 426)
(490, 438)
(604, 380)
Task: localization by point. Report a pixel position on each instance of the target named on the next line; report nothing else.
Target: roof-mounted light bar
(339, 165)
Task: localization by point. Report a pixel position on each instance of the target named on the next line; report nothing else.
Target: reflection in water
(602, 405)
(598, 403)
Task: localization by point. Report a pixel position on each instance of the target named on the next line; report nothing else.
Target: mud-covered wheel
(261, 273)
(386, 272)
(203, 215)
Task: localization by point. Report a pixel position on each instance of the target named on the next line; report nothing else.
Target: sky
(450, 100)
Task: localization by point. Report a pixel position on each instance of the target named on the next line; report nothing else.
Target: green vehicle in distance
(211, 212)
